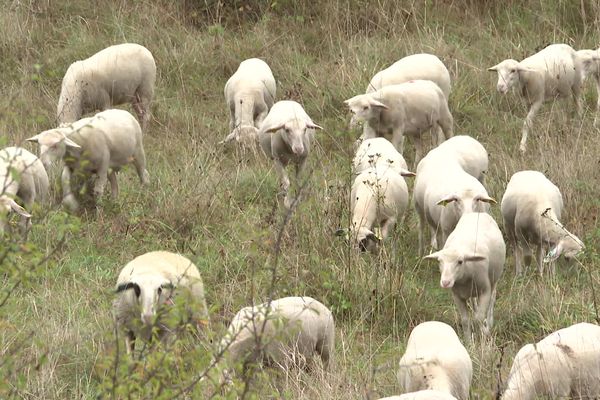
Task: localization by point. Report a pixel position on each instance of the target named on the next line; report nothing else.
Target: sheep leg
(141, 106)
(139, 161)
(576, 91)
(597, 76)
(114, 187)
(490, 310)
(484, 302)
(418, 150)
(446, 124)
(100, 183)
(130, 342)
(540, 258)
(421, 227)
(284, 182)
(387, 226)
(535, 107)
(463, 312)
(68, 197)
(398, 139)
(518, 259)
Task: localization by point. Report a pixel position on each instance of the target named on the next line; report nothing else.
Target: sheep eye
(365, 108)
(159, 291)
(512, 71)
(460, 262)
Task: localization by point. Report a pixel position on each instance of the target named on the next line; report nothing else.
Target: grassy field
(217, 205)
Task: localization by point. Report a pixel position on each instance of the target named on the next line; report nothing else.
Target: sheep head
(53, 145)
(452, 264)
(293, 132)
(149, 293)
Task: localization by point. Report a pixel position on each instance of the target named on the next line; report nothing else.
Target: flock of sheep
(407, 99)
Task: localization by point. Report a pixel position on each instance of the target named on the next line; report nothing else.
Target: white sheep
(532, 208)
(107, 141)
(435, 360)
(249, 93)
(443, 192)
(378, 151)
(149, 287)
(22, 176)
(290, 330)
(563, 365)
(470, 154)
(410, 108)
(422, 395)
(590, 66)
(471, 264)
(553, 72)
(119, 74)
(285, 136)
(379, 198)
(416, 66)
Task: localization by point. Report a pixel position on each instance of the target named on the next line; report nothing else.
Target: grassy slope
(218, 207)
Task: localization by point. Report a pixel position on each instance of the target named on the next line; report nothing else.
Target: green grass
(217, 206)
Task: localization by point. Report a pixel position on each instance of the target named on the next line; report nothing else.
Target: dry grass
(218, 207)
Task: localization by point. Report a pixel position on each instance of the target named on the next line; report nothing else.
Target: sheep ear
(18, 209)
(433, 256)
(475, 258)
(447, 200)
(494, 68)
(487, 199)
(341, 232)
(407, 173)
(376, 103)
(313, 126)
(274, 128)
(34, 139)
(70, 143)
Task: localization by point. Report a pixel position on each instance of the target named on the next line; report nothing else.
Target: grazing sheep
(563, 365)
(108, 140)
(422, 395)
(149, 287)
(471, 264)
(531, 208)
(285, 135)
(413, 67)
(590, 66)
(410, 108)
(435, 360)
(378, 151)
(119, 74)
(470, 154)
(295, 330)
(553, 72)
(440, 199)
(249, 93)
(22, 175)
(379, 198)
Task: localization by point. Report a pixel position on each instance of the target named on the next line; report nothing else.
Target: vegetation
(217, 205)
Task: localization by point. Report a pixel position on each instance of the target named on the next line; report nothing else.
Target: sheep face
(569, 247)
(53, 146)
(364, 108)
(149, 294)
(508, 75)
(293, 133)
(590, 62)
(452, 265)
(468, 202)
(365, 239)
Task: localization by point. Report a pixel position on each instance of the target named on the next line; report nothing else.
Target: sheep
(590, 66)
(416, 66)
(456, 190)
(119, 74)
(376, 151)
(285, 135)
(108, 140)
(422, 395)
(435, 360)
(379, 197)
(531, 208)
(409, 108)
(551, 73)
(249, 93)
(287, 330)
(149, 287)
(563, 365)
(470, 154)
(471, 263)
(22, 175)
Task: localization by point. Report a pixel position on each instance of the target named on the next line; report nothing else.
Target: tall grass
(219, 207)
